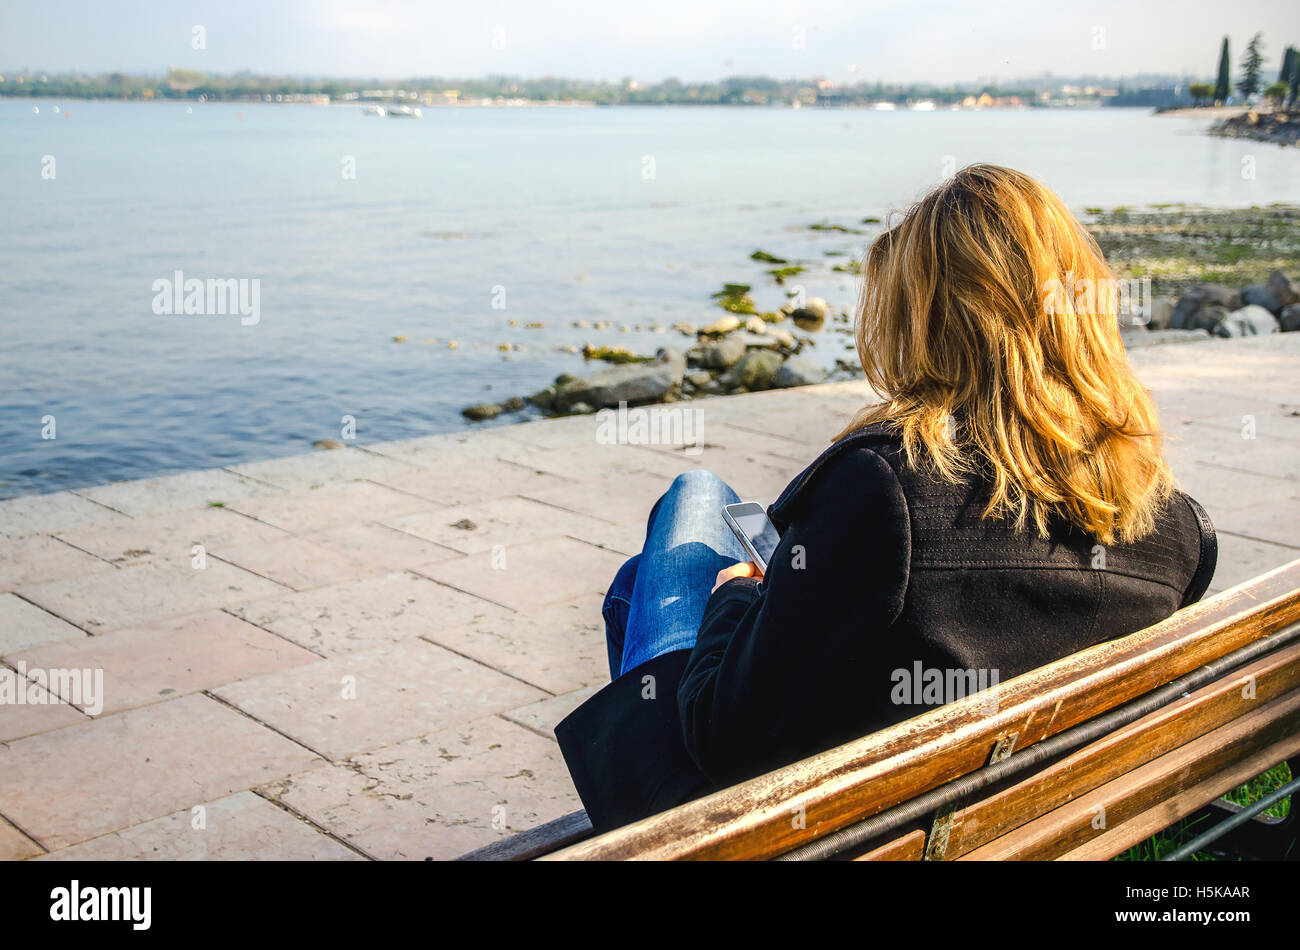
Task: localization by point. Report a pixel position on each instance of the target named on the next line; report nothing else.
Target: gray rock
(726, 352)
(1207, 318)
(806, 319)
(581, 409)
(544, 399)
(1162, 313)
(756, 370)
(1284, 288)
(633, 383)
(1261, 295)
(513, 404)
(1250, 320)
(816, 306)
(797, 371)
(1199, 297)
(1290, 319)
(480, 412)
(723, 324)
(699, 378)
(783, 337)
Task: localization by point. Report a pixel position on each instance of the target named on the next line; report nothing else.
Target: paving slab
(14, 845)
(345, 617)
(587, 458)
(40, 711)
(330, 505)
(381, 545)
(82, 781)
(240, 827)
(624, 539)
(1242, 558)
(149, 496)
(371, 698)
(167, 658)
(557, 648)
(44, 558)
(169, 536)
(621, 497)
(438, 796)
(296, 562)
(526, 576)
(544, 715)
(49, 514)
(467, 481)
(304, 472)
(473, 529)
(149, 591)
(24, 625)
(449, 447)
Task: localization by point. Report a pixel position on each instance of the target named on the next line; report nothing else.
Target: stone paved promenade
(374, 657)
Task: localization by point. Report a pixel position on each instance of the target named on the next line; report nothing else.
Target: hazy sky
(938, 40)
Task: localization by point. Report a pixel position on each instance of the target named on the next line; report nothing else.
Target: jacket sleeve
(777, 663)
(1208, 553)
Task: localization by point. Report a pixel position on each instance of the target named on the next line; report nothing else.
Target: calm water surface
(631, 215)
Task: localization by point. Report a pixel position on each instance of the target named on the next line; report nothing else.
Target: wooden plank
(1066, 828)
(908, 847)
(1101, 761)
(863, 777)
(535, 842)
(1141, 741)
(1139, 828)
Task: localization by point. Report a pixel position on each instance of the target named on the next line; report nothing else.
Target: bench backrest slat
(863, 777)
(1000, 810)
(1250, 744)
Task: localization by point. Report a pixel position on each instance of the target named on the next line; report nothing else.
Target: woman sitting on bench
(1006, 505)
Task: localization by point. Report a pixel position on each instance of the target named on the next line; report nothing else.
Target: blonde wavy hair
(973, 326)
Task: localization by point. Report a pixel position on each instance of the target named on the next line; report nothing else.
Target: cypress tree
(1251, 64)
(1223, 86)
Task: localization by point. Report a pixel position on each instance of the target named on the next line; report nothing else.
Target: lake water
(628, 215)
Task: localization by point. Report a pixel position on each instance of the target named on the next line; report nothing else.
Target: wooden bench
(1081, 759)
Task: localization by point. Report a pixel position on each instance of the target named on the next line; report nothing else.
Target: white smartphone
(754, 530)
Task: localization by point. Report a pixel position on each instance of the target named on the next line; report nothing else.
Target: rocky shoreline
(1278, 127)
(1214, 273)
(730, 356)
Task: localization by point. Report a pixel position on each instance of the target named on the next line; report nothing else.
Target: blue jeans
(656, 602)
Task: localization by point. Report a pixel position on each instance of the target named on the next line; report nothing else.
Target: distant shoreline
(582, 104)
(1203, 112)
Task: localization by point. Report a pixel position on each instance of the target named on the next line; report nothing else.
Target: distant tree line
(1284, 93)
(181, 84)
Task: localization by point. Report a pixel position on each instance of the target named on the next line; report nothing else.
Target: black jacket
(879, 569)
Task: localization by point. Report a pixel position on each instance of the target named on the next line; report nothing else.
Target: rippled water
(629, 215)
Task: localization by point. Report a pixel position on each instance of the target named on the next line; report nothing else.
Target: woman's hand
(743, 569)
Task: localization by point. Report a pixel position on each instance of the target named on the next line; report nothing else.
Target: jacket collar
(781, 511)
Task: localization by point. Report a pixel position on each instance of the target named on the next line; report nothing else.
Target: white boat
(884, 107)
(925, 105)
(404, 112)
(374, 110)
